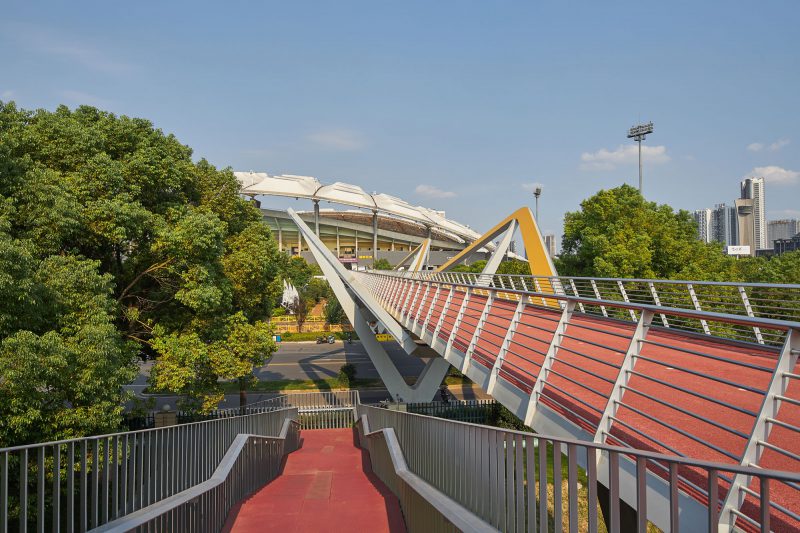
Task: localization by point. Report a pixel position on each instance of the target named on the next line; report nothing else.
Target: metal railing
(425, 508)
(472, 411)
(308, 400)
(758, 300)
(519, 481)
(249, 463)
(646, 384)
(77, 484)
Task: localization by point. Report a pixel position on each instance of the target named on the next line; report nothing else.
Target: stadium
(371, 227)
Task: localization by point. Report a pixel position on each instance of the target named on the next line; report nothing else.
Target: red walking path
(326, 485)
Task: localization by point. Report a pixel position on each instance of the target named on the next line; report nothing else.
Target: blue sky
(456, 105)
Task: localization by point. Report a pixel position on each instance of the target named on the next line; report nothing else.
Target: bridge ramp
(326, 485)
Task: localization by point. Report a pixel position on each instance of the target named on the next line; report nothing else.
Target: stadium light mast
(537, 192)
(638, 134)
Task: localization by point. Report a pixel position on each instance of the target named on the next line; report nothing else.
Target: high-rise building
(724, 226)
(782, 229)
(746, 223)
(753, 189)
(550, 244)
(703, 219)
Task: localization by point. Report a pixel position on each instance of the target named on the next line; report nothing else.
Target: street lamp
(638, 133)
(537, 192)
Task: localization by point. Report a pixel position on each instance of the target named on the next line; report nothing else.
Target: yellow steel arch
(539, 260)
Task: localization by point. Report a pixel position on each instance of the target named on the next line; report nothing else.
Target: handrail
(483, 468)
(218, 478)
(767, 323)
(424, 275)
(454, 513)
(86, 482)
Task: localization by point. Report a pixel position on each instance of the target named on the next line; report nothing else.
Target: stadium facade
(370, 227)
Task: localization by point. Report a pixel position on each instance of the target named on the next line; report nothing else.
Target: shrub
(347, 374)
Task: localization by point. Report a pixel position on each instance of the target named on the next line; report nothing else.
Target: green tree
(617, 233)
(333, 311)
(382, 264)
(182, 256)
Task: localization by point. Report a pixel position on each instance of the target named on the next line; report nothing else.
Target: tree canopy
(112, 241)
(618, 234)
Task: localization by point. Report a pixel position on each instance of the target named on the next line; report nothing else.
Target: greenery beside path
(115, 244)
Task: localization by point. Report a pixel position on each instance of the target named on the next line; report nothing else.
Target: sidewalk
(327, 485)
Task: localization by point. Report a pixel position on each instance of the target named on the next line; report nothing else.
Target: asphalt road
(307, 360)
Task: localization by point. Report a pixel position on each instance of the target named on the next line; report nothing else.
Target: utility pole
(638, 134)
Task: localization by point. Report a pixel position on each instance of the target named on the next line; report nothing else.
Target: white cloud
(755, 147)
(625, 154)
(429, 191)
(343, 140)
(777, 145)
(82, 98)
(772, 147)
(775, 175)
(531, 186)
(6, 95)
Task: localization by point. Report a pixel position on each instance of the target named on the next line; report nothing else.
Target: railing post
(445, 309)
(547, 363)
(457, 323)
(787, 361)
(657, 301)
(597, 295)
(512, 328)
(478, 328)
(423, 301)
(749, 309)
(696, 303)
(628, 362)
(412, 293)
(625, 298)
(575, 292)
(430, 309)
(539, 290)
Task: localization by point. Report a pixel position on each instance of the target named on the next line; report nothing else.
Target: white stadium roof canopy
(255, 183)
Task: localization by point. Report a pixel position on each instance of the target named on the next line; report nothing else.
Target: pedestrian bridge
(674, 404)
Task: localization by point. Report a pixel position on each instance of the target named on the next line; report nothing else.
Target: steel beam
(787, 361)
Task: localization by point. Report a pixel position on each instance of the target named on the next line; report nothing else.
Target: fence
(472, 411)
(250, 463)
(754, 300)
(508, 478)
(83, 483)
(425, 508)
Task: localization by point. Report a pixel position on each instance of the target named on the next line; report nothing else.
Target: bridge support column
(362, 310)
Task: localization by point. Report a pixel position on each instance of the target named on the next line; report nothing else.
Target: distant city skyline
(449, 105)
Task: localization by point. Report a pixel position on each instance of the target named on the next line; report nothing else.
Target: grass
(302, 385)
(312, 336)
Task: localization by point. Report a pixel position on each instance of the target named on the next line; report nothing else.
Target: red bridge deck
(326, 485)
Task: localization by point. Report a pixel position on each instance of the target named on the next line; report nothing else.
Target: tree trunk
(242, 395)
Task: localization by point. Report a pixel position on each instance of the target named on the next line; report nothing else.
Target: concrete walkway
(327, 485)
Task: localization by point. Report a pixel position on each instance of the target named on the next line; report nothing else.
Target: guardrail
(425, 508)
(502, 477)
(755, 300)
(308, 400)
(249, 463)
(648, 384)
(78, 484)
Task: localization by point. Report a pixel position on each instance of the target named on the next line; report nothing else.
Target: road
(307, 360)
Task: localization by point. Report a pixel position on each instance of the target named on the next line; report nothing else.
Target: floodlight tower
(638, 133)
(537, 192)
